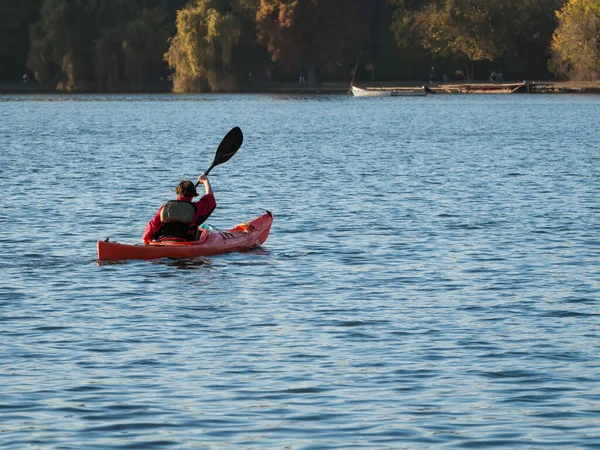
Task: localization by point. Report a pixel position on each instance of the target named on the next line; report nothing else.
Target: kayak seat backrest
(178, 211)
(176, 216)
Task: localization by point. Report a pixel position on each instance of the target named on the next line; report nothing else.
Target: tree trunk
(470, 71)
(312, 79)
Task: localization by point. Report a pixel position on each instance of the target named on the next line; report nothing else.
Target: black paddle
(230, 144)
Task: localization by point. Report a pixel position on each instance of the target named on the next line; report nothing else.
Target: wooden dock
(534, 87)
(479, 88)
(564, 87)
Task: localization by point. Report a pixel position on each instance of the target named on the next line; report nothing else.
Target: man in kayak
(179, 219)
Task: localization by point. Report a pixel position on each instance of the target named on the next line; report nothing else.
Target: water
(431, 279)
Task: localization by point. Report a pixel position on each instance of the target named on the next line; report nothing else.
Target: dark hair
(186, 188)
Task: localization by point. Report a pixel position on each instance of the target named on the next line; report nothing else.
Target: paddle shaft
(205, 174)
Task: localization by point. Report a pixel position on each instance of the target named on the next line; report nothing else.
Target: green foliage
(113, 45)
(15, 18)
(215, 45)
(130, 50)
(402, 26)
(576, 42)
(473, 30)
(57, 53)
(107, 44)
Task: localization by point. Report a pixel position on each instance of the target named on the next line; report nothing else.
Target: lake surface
(432, 277)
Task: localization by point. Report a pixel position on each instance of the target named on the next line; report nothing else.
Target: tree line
(224, 45)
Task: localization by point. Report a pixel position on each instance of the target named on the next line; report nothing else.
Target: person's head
(186, 189)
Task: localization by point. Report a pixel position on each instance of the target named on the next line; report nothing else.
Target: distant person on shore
(493, 76)
(301, 79)
(499, 77)
(25, 78)
(179, 219)
(431, 74)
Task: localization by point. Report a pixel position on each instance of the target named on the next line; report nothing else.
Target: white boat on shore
(388, 92)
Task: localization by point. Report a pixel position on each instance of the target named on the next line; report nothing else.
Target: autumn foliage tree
(576, 41)
(323, 34)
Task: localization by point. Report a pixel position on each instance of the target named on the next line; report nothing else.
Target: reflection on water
(431, 277)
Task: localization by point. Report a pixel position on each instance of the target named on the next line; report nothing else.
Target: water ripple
(440, 291)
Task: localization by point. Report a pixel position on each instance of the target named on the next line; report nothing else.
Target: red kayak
(244, 236)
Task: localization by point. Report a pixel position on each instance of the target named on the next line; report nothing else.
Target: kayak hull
(212, 242)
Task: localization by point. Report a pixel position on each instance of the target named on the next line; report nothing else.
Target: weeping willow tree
(130, 51)
(576, 41)
(15, 18)
(57, 51)
(97, 44)
(200, 52)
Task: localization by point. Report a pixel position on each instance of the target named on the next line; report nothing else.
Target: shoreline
(332, 87)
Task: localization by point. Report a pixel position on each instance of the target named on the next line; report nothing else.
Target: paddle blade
(228, 147)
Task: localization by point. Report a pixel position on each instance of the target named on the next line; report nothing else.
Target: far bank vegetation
(227, 45)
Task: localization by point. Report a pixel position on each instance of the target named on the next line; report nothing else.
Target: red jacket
(204, 208)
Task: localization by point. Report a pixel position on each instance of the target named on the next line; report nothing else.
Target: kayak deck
(242, 237)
